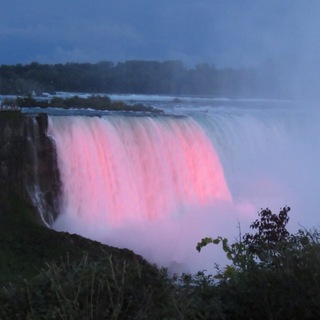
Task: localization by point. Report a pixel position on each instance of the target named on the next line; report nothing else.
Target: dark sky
(232, 33)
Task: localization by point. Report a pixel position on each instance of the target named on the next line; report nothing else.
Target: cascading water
(40, 173)
(157, 185)
(117, 169)
(33, 187)
(133, 175)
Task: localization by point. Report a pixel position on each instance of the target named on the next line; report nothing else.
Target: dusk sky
(236, 33)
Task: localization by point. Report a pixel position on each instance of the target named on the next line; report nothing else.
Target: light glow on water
(125, 177)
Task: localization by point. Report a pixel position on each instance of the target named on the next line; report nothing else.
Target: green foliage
(104, 289)
(273, 274)
(110, 289)
(196, 297)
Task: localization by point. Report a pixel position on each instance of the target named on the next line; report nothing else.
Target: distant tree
(133, 76)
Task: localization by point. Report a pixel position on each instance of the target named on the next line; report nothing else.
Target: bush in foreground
(88, 290)
(273, 274)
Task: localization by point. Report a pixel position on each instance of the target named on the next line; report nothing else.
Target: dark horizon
(278, 36)
(141, 77)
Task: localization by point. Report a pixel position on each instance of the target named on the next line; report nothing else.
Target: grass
(26, 245)
(46, 274)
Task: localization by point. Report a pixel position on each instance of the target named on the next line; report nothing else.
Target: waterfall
(117, 169)
(129, 173)
(41, 175)
(158, 184)
(33, 187)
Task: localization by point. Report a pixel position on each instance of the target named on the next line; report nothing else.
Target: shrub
(104, 289)
(273, 274)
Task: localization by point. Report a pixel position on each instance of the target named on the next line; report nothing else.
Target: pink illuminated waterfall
(120, 169)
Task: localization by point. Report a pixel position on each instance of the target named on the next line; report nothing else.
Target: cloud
(226, 33)
(64, 55)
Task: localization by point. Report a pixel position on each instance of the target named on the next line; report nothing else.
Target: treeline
(139, 77)
(93, 102)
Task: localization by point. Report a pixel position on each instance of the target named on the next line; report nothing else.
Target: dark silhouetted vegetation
(273, 274)
(136, 76)
(93, 102)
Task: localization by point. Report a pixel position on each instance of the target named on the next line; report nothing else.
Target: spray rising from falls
(157, 185)
(123, 177)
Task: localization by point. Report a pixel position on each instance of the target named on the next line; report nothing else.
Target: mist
(254, 158)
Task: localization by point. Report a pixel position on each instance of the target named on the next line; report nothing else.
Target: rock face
(28, 165)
